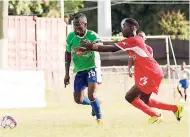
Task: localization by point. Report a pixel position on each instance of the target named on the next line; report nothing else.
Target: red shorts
(147, 84)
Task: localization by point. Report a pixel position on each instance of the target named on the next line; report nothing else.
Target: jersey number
(91, 73)
(143, 81)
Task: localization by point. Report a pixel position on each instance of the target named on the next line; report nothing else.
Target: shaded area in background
(148, 15)
(181, 50)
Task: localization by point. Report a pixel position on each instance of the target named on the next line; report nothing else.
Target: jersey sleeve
(68, 42)
(96, 38)
(126, 44)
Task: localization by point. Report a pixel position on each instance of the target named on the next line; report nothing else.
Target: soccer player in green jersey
(86, 65)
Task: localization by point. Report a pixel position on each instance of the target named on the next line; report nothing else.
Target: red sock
(161, 105)
(138, 103)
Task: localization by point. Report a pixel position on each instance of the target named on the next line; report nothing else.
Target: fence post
(3, 34)
(168, 60)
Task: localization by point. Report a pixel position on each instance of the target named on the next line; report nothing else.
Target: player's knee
(78, 100)
(128, 98)
(145, 97)
(92, 91)
(91, 97)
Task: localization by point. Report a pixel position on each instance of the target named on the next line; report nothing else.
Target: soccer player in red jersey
(148, 73)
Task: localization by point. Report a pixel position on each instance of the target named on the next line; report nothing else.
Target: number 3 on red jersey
(143, 81)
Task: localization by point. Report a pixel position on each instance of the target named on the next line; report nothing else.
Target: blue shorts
(82, 78)
(184, 83)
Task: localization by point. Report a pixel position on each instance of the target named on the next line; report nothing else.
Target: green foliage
(43, 8)
(23, 7)
(53, 14)
(52, 9)
(175, 23)
(117, 37)
(72, 6)
(147, 15)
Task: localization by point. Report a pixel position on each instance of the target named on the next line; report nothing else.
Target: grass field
(120, 120)
(63, 118)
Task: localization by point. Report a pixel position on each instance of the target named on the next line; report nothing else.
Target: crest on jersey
(124, 43)
(134, 57)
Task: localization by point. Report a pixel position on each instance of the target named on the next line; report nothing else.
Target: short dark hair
(132, 22)
(81, 16)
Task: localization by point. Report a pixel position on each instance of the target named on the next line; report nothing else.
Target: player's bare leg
(80, 98)
(178, 89)
(95, 103)
(176, 109)
(185, 94)
(132, 96)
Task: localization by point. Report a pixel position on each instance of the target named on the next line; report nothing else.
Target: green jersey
(86, 60)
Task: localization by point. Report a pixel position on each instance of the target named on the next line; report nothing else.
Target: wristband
(67, 62)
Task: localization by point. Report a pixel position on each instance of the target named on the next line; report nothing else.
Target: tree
(72, 6)
(44, 8)
(23, 7)
(147, 15)
(52, 9)
(174, 23)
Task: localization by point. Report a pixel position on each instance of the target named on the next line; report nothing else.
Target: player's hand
(66, 80)
(130, 73)
(79, 50)
(86, 45)
(86, 41)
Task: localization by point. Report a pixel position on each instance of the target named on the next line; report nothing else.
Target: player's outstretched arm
(101, 48)
(105, 48)
(85, 46)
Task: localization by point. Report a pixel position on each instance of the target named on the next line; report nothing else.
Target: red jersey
(148, 73)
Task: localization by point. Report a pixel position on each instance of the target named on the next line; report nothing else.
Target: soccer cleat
(178, 112)
(155, 119)
(99, 121)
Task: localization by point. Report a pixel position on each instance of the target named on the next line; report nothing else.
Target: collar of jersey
(82, 36)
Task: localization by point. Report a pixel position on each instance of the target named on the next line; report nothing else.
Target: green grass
(63, 118)
(120, 120)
